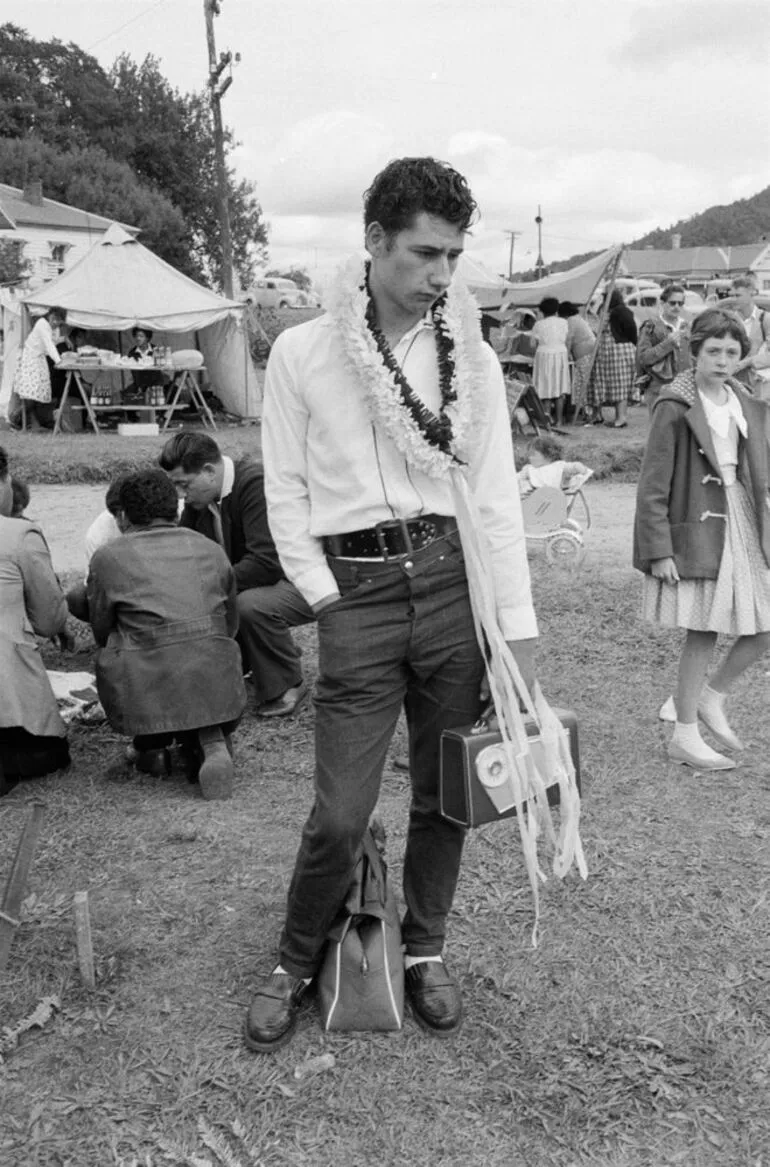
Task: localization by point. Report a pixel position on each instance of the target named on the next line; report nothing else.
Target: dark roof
(49, 213)
(692, 261)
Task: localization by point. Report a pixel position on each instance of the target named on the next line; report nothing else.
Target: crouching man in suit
(225, 501)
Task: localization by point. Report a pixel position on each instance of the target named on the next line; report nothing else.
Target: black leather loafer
(272, 1016)
(154, 762)
(435, 997)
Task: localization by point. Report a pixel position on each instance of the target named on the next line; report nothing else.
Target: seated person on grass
(104, 529)
(162, 608)
(546, 467)
(33, 738)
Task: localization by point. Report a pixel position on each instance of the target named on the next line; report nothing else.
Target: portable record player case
(463, 797)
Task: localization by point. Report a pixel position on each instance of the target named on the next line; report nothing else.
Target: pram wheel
(565, 549)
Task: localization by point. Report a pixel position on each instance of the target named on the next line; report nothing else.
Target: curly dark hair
(191, 450)
(408, 186)
(112, 497)
(567, 309)
(549, 306)
(717, 323)
(548, 447)
(148, 495)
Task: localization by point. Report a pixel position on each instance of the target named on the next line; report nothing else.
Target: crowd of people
(374, 415)
(631, 364)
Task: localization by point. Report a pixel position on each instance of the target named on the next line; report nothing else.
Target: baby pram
(549, 518)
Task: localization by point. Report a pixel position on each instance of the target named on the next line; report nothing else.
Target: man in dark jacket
(225, 500)
(663, 351)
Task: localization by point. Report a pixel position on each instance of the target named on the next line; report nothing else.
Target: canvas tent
(488, 289)
(119, 284)
(578, 284)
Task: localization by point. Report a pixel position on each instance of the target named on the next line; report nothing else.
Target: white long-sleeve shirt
(330, 469)
(40, 341)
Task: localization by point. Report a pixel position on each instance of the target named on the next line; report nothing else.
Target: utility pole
(514, 235)
(211, 8)
(539, 265)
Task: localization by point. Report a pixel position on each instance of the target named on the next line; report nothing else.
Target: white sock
(712, 710)
(279, 970)
(410, 960)
(687, 734)
(714, 704)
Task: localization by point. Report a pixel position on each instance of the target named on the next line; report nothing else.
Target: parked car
(646, 303)
(274, 292)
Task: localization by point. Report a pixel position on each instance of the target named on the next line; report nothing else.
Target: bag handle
(375, 868)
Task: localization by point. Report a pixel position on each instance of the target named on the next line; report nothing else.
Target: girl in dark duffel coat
(702, 530)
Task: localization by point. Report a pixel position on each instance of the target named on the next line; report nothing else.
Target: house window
(58, 256)
(765, 285)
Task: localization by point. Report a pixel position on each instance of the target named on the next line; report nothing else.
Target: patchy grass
(84, 458)
(614, 455)
(636, 1035)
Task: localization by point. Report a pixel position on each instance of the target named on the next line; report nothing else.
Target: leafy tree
(298, 274)
(744, 221)
(171, 146)
(13, 266)
(56, 92)
(88, 179)
(60, 96)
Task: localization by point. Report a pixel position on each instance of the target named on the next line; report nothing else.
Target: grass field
(78, 458)
(636, 1035)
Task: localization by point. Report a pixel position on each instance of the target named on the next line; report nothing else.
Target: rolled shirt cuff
(518, 623)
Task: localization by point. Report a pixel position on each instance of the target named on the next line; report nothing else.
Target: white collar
(228, 478)
(720, 416)
(672, 326)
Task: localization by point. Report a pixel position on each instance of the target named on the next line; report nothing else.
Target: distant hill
(744, 221)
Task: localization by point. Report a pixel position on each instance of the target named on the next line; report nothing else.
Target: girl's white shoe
(712, 714)
(711, 711)
(689, 749)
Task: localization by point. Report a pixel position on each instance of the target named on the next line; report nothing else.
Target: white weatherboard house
(53, 235)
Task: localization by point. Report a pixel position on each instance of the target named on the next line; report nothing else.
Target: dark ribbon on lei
(435, 429)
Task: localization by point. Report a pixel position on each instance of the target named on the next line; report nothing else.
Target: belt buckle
(403, 526)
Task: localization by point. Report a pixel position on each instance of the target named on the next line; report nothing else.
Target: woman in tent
(33, 376)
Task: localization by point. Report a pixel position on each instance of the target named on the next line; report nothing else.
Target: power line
(133, 20)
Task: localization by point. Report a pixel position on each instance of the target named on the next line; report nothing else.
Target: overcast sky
(616, 116)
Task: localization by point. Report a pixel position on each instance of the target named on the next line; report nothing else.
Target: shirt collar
(720, 416)
(228, 478)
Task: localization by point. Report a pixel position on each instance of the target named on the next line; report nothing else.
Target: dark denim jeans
(402, 634)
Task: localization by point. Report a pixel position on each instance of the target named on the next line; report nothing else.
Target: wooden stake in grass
(10, 906)
(83, 939)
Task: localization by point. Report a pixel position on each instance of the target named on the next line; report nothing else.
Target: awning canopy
(488, 289)
(578, 284)
(119, 284)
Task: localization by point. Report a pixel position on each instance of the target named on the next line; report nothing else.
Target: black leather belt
(397, 537)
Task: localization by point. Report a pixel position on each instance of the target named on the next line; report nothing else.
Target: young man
(225, 501)
(161, 602)
(757, 325)
(662, 349)
(366, 409)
